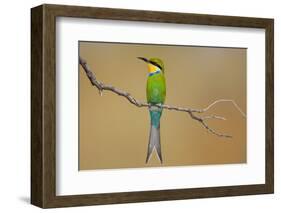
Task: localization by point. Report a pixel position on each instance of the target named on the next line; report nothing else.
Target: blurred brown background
(114, 133)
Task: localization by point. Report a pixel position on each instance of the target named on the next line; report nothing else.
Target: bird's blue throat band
(153, 73)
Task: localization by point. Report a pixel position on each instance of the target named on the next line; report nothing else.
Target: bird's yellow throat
(152, 68)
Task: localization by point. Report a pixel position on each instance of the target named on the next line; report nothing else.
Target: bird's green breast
(156, 89)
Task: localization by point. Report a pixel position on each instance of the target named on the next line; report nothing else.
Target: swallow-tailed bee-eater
(155, 94)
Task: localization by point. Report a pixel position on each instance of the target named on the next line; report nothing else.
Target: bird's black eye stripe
(156, 64)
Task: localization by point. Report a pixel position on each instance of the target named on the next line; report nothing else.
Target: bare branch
(214, 117)
(223, 100)
(103, 87)
(214, 132)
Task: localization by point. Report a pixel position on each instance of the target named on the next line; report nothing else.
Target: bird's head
(154, 64)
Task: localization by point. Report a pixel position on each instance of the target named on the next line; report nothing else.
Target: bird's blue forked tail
(154, 136)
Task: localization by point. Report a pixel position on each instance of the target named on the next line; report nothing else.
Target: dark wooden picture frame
(43, 105)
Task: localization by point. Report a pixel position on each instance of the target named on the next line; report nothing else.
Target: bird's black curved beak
(143, 59)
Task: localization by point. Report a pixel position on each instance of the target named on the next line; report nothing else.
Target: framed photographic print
(136, 106)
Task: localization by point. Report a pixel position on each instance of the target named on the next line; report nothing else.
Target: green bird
(155, 94)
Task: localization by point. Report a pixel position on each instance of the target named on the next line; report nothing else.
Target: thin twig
(214, 117)
(223, 100)
(103, 87)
